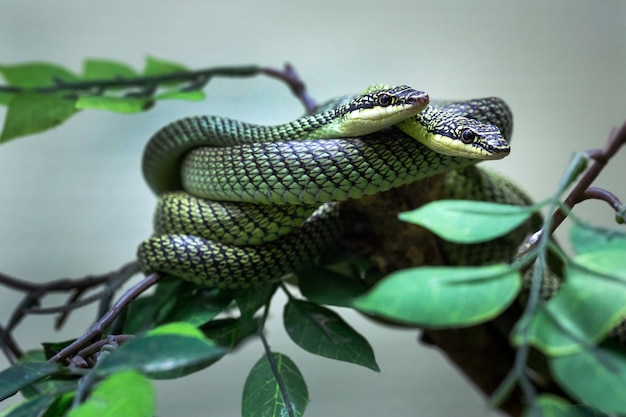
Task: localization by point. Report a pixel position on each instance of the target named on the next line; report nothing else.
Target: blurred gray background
(73, 201)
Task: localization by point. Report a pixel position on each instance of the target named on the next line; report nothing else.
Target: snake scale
(241, 204)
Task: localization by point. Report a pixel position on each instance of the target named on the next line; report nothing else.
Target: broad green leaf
(100, 69)
(60, 405)
(169, 351)
(116, 104)
(590, 303)
(32, 407)
(35, 74)
(23, 374)
(443, 296)
(552, 406)
(191, 95)
(596, 377)
(52, 386)
(262, 393)
(30, 113)
(462, 221)
(127, 394)
(324, 286)
(155, 66)
(321, 331)
(6, 97)
(588, 239)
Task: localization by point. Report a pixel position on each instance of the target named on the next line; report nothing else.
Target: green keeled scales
(241, 204)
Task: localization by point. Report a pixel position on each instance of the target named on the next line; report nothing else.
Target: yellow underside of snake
(241, 204)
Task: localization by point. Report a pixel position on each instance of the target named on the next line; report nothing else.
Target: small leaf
(32, 75)
(461, 221)
(155, 66)
(552, 406)
(169, 351)
(30, 113)
(262, 393)
(6, 97)
(443, 296)
(126, 394)
(115, 104)
(100, 69)
(191, 95)
(324, 286)
(595, 377)
(322, 332)
(24, 374)
(588, 239)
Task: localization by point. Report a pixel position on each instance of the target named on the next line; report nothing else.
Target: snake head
(379, 107)
(449, 133)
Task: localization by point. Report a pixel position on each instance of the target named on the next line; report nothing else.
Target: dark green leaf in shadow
(462, 221)
(230, 332)
(169, 351)
(31, 112)
(35, 74)
(594, 377)
(249, 300)
(323, 332)
(127, 394)
(24, 374)
(443, 296)
(262, 394)
(52, 386)
(100, 69)
(324, 286)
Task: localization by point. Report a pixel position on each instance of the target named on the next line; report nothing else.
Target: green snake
(241, 204)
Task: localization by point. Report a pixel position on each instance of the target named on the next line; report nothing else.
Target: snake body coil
(280, 184)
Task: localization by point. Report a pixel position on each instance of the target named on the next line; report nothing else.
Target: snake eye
(468, 136)
(384, 100)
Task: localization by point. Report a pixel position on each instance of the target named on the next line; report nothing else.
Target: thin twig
(98, 327)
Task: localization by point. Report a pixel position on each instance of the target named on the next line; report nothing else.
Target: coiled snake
(241, 204)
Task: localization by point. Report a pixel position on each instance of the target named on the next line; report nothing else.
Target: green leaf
(30, 113)
(6, 97)
(155, 66)
(100, 69)
(230, 332)
(461, 221)
(552, 406)
(596, 377)
(324, 286)
(32, 75)
(169, 351)
(191, 95)
(590, 303)
(127, 394)
(52, 386)
(251, 299)
(60, 405)
(32, 407)
(262, 393)
(24, 374)
(443, 296)
(586, 238)
(321, 331)
(115, 104)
